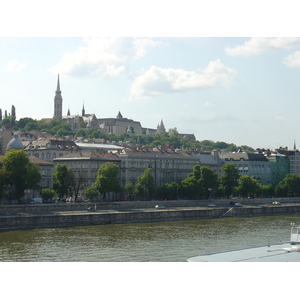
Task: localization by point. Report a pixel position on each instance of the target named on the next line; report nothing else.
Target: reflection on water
(164, 241)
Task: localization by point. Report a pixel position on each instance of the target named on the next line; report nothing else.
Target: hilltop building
(116, 126)
(119, 125)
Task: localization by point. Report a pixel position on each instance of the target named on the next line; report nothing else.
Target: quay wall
(102, 217)
(125, 205)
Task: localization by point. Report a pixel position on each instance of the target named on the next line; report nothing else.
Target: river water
(145, 242)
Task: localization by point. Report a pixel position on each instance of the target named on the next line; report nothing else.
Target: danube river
(145, 242)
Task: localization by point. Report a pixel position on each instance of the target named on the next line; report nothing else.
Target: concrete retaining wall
(72, 207)
(100, 217)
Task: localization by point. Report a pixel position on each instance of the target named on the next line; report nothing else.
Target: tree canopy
(145, 184)
(107, 179)
(229, 178)
(63, 180)
(19, 174)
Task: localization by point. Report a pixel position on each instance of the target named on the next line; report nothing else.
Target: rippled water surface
(156, 242)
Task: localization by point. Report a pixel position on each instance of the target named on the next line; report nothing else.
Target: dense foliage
(18, 174)
(107, 179)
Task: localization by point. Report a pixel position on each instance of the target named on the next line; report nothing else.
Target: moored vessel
(280, 252)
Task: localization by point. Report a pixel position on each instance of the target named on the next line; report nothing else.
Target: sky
(241, 90)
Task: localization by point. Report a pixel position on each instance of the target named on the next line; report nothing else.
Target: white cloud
(157, 81)
(102, 57)
(14, 65)
(293, 60)
(140, 45)
(279, 119)
(257, 45)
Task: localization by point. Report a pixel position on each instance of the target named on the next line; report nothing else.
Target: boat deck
(283, 252)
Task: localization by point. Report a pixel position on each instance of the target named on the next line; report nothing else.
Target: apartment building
(167, 165)
(251, 164)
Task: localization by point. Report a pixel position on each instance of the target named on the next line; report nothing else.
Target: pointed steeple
(58, 102)
(83, 110)
(58, 85)
(119, 116)
(161, 127)
(68, 113)
(295, 145)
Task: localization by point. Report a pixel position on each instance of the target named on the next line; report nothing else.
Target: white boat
(281, 252)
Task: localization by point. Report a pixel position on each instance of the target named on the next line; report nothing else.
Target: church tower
(83, 110)
(58, 102)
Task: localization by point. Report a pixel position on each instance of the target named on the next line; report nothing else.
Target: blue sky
(238, 90)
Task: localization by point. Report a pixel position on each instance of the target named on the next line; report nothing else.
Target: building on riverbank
(49, 149)
(251, 164)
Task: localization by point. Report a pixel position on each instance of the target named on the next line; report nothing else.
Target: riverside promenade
(30, 216)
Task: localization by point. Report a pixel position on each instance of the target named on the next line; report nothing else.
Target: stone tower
(58, 102)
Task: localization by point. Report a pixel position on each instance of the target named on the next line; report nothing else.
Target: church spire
(83, 110)
(58, 85)
(161, 127)
(58, 102)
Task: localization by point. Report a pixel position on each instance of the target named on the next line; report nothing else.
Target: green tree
(248, 186)
(229, 178)
(129, 188)
(107, 179)
(208, 181)
(281, 190)
(267, 190)
(63, 180)
(201, 183)
(47, 194)
(90, 192)
(19, 174)
(78, 182)
(31, 126)
(81, 132)
(145, 184)
(2, 182)
(24, 121)
(190, 188)
(290, 185)
(13, 111)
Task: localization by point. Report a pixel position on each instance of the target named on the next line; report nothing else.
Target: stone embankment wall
(72, 207)
(63, 215)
